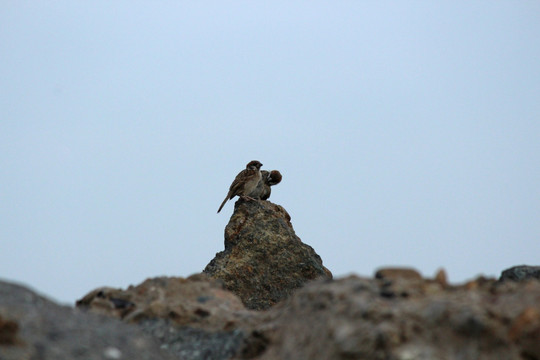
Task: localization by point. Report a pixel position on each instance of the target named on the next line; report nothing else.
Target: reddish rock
(8, 332)
(441, 278)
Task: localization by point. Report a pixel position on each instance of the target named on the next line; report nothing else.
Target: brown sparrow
(244, 183)
(263, 191)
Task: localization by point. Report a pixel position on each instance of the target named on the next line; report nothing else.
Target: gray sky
(407, 133)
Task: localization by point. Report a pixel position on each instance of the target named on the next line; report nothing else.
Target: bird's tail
(223, 203)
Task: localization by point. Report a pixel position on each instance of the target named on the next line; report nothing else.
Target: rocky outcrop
(32, 327)
(396, 315)
(264, 261)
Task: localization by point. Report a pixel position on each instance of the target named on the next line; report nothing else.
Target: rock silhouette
(264, 261)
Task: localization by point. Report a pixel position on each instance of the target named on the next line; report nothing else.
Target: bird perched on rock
(274, 178)
(263, 191)
(245, 182)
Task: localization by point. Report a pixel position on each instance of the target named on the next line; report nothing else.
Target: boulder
(264, 261)
(197, 301)
(520, 273)
(195, 318)
(33, 327)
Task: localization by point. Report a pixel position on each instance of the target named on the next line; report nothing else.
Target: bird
(263, 190)
(245, 182)
(273, 179)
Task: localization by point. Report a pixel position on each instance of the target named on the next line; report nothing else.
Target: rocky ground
(268, 296)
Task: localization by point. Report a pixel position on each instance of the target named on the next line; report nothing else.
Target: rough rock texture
(197, 301)
(520, 273)
(194, 318)
(32, 327)
(396, 315)
(190, 343)
(404, 318)
(264, 261)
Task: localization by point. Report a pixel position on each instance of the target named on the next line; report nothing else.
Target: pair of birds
(252, 183)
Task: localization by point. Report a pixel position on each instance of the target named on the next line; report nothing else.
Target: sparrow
(262, 191)
(244, 183)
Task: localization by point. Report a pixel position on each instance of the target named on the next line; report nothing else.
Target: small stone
(112, 353)
(398, 273)
(441, 278)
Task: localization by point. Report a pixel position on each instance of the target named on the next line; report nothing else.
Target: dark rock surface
(520, 273)
(192, 343)
(264, 261)
(32, 327)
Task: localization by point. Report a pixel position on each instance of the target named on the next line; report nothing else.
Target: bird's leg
(247, 198)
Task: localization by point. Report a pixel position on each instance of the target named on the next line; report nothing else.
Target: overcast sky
(407, 133)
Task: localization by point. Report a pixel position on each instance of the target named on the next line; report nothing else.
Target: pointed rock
(264, 261)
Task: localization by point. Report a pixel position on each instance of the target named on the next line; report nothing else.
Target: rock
(351, 318)
(197, 301)
(9, 332)
(525, 331)
(396, 316)
(194, 318)
(441, 278)
(190, 343)
(264, 261)
(398, 273)
(404, 282)
(32, 327)
(520, 273)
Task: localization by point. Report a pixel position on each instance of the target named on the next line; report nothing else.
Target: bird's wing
(238, 183)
